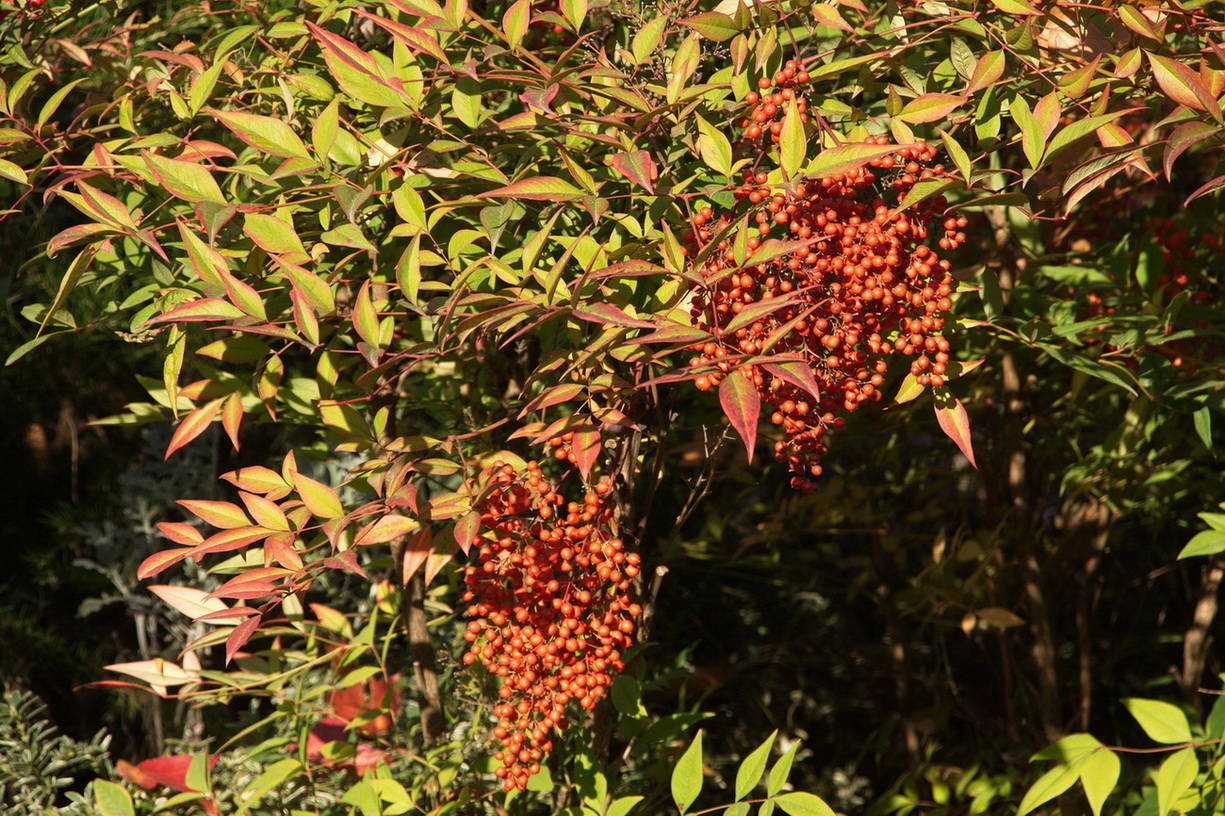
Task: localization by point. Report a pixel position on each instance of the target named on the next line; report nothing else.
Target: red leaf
(608, 314)
(586, 448)
(159, 561)
(419, 547)
(627, 269)
(231, 417)
(258, 479)
(198, 310)
(281, 549)
(742, 405)
(467, 529)
(954, 422)
(224, 515)
(636, 166)
(180, 532)
(192, 425)
(797, 373)
(1183, 137)
(170, 771)
(1182, 84)
(538, 188)
(420, 40)
(346, 561)
(239, 637)
(228, 541)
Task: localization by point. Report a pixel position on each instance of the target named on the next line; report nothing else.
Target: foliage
(464, 259)
(39, 766)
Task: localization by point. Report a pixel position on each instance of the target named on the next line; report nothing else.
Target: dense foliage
(465, 323)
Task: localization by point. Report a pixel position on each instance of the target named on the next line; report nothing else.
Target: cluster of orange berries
(768, 107)
(863, 289)
(550, 610)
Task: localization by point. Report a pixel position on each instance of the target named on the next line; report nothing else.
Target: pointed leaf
(713, 25)
(223, 515)
(186, 180)
(846, 157)
(1182, 138)
(240, 635)
(1163, 722)
(803, 804)
(1183, 84)
(192, 425)
(1099, 773)
(742, 405)
(1174, 778)
(954, 422)
(190, 601)
(264, 133)
(686, 782)
(1049, 785)
(515, 21)
(538, 188)
(320, 499)
(792, 145)
(636, 166)
(930, 107)
(751, 769)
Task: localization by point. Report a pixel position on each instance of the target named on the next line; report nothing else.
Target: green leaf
(264, 133)
(622, 806)
(53, 103)
(112, 799)
(1032, 141)
(1079, 129)
(1049, 785)
(781, 770)
(792, 144)
(1203, 426)
(648, 39)
(1183, 84)
(185, 180)
(930, 107)
(987, 71)
(273, 777)
(466, 101)
(687, 775)
(538, 188)
(803, 804)
(1208, 542)
(1015, 7)
(1163, 722)
(714, 147)
(69, 282)
(1107, 372)
(320, 499)
(959, 156)
(845, 157)
(1174, 778)
(515, 21)
(1099, 772)
(713, 25)
(12, 172)
(754, 765)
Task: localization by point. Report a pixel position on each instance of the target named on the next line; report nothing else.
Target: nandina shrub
(424, 240)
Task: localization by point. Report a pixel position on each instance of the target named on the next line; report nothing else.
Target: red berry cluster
(767, 108)
(551, 614)
(863, 290)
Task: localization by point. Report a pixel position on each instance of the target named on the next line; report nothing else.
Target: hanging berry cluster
(550, 608)
(863, 291)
